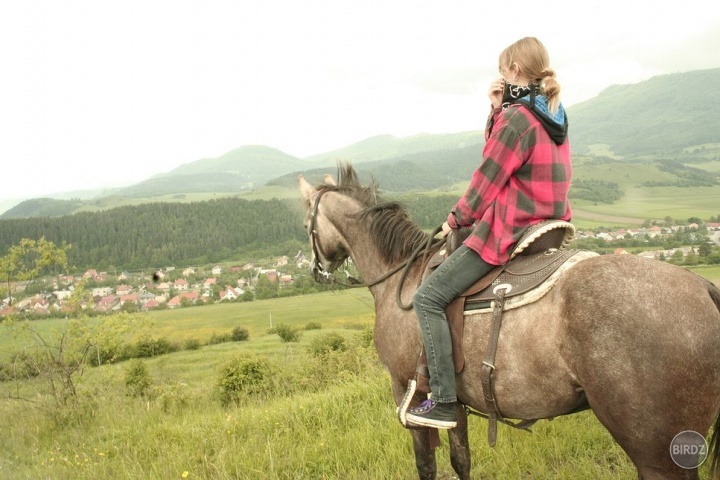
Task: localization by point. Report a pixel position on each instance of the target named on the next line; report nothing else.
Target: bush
(192, 344)
(245, 375)
(240, 334)
(324, 344)
(170, 398)
(216, 338)
(137, 378)
(287, 333)
(150, 347)
(313, 326)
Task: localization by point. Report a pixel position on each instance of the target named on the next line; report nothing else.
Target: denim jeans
(455, 275)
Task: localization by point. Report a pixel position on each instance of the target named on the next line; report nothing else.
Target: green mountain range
(668, 124)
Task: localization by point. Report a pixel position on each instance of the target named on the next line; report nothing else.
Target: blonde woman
(523, 179)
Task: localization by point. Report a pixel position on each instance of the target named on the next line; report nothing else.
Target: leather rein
(324, 276)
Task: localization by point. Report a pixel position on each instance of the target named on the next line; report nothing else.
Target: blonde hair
(533, 61)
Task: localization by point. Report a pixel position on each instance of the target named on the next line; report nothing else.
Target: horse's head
(347, 218)
(329, 246)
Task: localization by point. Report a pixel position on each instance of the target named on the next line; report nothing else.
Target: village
(170, 287)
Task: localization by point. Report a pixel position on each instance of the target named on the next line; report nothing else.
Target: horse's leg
(459, 445)
(644, 426)
(422, 444)
(424, 454)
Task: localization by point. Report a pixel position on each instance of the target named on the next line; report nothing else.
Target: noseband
(320, 273)
(318, 269)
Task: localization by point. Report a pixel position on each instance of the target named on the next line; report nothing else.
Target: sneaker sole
(428, 422)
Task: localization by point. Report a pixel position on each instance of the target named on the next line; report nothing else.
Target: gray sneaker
(433, 414)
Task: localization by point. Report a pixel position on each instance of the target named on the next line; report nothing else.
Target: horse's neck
(368, 258)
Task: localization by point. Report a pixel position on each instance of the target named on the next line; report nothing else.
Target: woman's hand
(446, 229)
(495, 93)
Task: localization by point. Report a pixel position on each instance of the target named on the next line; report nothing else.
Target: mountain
(382, 147)
(668, 118)
(664, 114)
(240, 169)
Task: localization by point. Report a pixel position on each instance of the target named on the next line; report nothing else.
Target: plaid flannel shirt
(524, 179)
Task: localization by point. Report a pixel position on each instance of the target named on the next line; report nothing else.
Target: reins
(424, 249)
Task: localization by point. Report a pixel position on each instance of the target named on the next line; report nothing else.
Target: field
(341, 425)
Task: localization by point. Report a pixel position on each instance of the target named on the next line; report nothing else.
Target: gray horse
(635, 340)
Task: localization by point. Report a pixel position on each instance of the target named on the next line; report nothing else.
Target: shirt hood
(555, 123)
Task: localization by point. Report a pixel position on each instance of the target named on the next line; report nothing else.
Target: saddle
(537, 255)
(535, 264)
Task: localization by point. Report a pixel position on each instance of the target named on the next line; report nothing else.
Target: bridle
(325, 276)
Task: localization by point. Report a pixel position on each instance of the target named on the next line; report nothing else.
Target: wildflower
(185, 474)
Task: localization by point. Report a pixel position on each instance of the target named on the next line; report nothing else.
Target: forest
(156, 235)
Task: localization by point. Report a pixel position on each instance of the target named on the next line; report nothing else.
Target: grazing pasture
(323, 418)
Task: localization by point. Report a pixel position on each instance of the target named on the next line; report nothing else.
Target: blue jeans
(455, 275)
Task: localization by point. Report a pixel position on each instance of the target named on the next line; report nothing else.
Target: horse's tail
(714, 448)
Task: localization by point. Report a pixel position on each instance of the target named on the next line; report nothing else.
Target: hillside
(384, 147)
(664, 114)
(662, 128)
(243, 168)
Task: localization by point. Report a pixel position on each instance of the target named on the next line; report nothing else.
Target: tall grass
(347, 431)
(325, 417)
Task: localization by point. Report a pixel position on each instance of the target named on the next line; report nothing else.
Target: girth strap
(488, 366)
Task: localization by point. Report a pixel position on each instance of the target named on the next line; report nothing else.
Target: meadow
(322, 417)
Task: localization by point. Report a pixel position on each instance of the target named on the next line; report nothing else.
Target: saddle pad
(528, 280)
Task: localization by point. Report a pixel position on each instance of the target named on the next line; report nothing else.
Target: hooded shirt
(523, 179)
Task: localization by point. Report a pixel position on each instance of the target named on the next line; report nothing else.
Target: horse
(635, 340)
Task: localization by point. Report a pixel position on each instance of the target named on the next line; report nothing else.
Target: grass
(344, 429)
(655, 203)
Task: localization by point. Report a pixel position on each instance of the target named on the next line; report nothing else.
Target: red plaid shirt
(524, 179)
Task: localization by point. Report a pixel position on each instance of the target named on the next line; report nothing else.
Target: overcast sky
(96, 93)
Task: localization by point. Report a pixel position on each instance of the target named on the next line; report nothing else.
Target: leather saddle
(537, 255)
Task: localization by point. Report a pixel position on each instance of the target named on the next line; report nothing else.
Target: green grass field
(343, 429)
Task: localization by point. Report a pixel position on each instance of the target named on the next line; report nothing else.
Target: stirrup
(402, 409)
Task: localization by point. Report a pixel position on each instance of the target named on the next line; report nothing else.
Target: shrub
(170, 398)
(192, 344)
(137, 378)
(287, 333)
(324, 344)
(150, 347)
(216, 338)
(244, 375)
(240, 334)
(313, 326)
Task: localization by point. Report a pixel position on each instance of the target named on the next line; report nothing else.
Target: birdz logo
(688, 449)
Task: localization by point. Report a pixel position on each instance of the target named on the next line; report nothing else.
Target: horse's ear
(328, 179)
(306, 189)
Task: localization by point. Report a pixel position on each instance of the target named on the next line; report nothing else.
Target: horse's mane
(388, 222)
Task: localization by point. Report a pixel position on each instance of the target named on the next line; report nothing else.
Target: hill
(240, 169)
(384, 147)
(664, 114)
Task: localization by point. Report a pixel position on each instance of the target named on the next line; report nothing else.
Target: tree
(28, 259)
(265, 288)
(704, 249)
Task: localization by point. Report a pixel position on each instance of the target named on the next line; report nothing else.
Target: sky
(97, 94)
